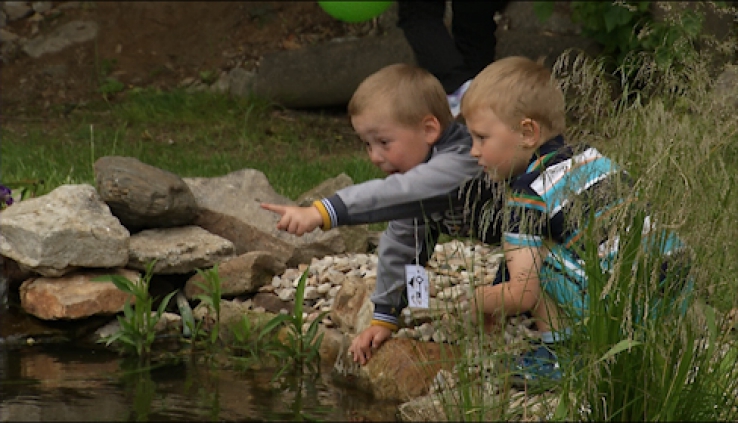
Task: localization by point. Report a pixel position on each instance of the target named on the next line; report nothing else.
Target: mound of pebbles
(454, 268)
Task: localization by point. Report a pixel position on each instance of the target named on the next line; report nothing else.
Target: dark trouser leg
(434, 49)
(473, 29)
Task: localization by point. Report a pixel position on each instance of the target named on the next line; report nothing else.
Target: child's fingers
(294, 228)
(360, 352)
(282, 225)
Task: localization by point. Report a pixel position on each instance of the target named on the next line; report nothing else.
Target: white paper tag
(417, 286)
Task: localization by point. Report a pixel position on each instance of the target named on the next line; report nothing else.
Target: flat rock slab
(178, 250)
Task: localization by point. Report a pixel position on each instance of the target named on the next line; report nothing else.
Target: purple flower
(6, 198)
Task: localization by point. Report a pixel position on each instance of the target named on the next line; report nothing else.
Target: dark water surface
(52, 381)
(63, 383)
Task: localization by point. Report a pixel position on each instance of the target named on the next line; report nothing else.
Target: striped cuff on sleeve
(388, 321)
(326, 212)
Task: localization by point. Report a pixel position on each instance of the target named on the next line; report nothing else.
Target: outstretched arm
(296, 220)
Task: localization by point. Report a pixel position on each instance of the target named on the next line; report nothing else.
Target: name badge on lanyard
(418, 290)
(416, 279)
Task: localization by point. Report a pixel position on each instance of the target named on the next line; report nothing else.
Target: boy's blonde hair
(407, 93)
(516, 88)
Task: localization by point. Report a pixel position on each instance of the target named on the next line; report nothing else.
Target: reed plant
(255, 341)
(301, 352)
(635, 355)
(211, 287)
(638, 358)
(282, 340)
(137, 333)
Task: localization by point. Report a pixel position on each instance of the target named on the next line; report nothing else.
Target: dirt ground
(155, 44)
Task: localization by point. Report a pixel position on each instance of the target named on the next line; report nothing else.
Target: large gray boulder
(143, 196)
(327, 74)
(68, 228)
(230, 206)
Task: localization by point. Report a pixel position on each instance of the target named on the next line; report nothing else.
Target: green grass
(189, 134)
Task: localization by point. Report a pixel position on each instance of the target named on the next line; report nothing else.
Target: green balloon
(354, 11)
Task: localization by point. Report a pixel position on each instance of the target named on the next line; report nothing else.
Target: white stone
(287, 294)
(324, 288)
(311, 293)
(276, 282)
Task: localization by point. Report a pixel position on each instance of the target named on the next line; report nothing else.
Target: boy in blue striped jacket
(515, 113)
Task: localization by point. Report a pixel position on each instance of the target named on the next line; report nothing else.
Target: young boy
(516, 116)
(433, 186)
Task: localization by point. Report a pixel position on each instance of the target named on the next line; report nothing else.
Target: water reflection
(64, 383)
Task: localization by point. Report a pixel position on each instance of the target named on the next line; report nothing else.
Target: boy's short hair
(407, 92)
(516, 88)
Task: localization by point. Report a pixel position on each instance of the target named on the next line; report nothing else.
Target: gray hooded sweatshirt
(445, 194)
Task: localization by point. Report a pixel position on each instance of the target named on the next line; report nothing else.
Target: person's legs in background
(456, 59)
(432, 44)
(473, 28)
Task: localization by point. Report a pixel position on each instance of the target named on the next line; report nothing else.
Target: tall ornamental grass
(646, 350)
(636, 358)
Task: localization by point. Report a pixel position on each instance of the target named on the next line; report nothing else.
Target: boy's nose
(375, 157)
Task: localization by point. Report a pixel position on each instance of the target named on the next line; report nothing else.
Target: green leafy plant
(136, 334)
(255, 340)
(303, 348)
(110, 86)
(300, 350)
(207, 76)
(107, 85)
(211, 297)
(627, 29)
(106, 66)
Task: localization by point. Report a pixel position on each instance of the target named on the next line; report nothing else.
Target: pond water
(52, 381)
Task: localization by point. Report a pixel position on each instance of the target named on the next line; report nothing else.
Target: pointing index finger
(276, 208)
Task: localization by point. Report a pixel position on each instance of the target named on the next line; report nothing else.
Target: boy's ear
(531, 132)
(431, 128)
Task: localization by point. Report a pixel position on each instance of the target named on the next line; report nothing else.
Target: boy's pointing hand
(296, 220)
